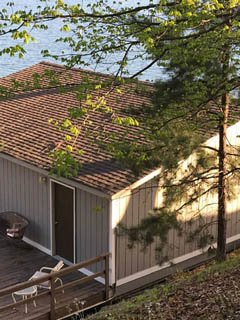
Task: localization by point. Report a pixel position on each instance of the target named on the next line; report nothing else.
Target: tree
(196, 43)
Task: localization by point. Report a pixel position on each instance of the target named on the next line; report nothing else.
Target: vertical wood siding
(92, 226)
(131, 208)
(21, 191)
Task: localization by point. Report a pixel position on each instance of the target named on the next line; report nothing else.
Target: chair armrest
(46, 268)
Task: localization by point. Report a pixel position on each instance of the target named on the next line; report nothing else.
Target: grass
(133, 307)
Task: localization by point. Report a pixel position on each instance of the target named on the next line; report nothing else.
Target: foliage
(195, 42)
(156, 225)
(193, 292)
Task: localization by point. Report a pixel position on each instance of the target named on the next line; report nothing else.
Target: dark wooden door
(63, 203)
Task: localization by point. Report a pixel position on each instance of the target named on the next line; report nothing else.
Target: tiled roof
(27, 135)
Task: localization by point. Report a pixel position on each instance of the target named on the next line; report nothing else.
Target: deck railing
(54, 290)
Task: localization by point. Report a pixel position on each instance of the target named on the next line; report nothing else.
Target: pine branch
(213, 187)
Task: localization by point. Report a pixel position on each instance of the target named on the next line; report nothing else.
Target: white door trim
(52, 225)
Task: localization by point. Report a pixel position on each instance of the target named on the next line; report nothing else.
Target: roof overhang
(44, 172)
(137, 184)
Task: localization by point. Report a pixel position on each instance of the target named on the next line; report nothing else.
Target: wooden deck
(18, 262)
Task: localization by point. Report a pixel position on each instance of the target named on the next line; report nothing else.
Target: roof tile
(27, 135)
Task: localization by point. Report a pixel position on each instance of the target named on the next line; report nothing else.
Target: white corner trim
(138, 183)
(37, 245)
(165, 265)
(112, 249)
(89, 273)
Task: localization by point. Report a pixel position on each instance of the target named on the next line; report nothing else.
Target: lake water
(46, 40)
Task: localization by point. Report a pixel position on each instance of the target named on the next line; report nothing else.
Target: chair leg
(25, 305)
(24, 298)
(34, 302)
(14, 299)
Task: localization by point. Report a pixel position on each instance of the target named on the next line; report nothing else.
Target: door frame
(52, 219)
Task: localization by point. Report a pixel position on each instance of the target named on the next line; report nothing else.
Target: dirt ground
(211, 293)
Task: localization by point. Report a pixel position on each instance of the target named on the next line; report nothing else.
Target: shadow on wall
(135, 206)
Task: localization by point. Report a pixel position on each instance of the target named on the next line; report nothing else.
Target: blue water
(46, 40)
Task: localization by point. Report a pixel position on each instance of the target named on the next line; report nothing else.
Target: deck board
(19, 261)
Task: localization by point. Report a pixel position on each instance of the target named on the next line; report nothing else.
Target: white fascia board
(137, 184)
(44, 172)
(23, 163)
(232, 131)
(81, 186)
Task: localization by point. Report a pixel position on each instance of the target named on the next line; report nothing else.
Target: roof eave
(45, 172)
(136, 184)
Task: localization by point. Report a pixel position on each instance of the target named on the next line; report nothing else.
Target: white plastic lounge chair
(26, 293)
(46, 270)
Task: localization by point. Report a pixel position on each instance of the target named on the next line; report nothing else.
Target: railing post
(107, 277)
(53, 298)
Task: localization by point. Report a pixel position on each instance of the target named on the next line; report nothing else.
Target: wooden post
(107, 277)
(53, 299)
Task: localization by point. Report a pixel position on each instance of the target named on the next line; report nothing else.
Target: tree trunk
(222, 225)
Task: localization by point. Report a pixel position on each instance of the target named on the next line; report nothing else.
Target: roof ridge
(61, 66)
(74, 69)
(90, 71)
